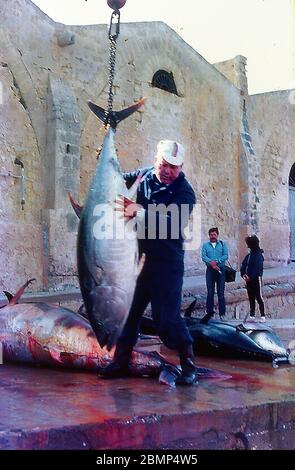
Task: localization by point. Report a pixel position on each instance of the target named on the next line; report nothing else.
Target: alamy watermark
(157, 222)
(1, 93)
(1, 353)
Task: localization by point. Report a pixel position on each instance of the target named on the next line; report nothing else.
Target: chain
(112, 62)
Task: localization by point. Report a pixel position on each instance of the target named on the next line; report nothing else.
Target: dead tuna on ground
(44, 334)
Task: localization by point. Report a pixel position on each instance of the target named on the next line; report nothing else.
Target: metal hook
(116, 4)
(117, 25)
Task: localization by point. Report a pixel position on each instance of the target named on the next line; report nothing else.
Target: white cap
(171, 151)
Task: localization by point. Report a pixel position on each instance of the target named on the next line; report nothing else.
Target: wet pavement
(191, 285)
(62, 409)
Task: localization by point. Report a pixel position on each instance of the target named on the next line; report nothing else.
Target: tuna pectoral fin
(42, 352)
(55, 355)
(20, 292)
(77, 208)
(115, 117)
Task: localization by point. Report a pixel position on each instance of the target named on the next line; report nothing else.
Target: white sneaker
(262, 320)
(251, 320)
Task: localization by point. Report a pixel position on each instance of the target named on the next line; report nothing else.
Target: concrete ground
(191, 285)
(252, 407)
(61, 409)
(269, 275)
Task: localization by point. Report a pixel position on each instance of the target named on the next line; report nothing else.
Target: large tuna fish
(53, 335)
(222, 339)
(107, 244)
(39, 333)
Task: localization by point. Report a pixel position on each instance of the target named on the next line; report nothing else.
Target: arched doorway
(292, 212)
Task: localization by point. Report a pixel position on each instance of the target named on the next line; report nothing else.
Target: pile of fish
(43, 334)
(108, 268)
(223, 339)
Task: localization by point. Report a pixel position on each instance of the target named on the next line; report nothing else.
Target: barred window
(165, 81)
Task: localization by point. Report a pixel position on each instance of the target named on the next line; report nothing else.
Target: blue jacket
(150, 194)
(219, 253)
(252, 264)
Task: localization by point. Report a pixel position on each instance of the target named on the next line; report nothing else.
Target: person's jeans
(160, 282)
(214, 277)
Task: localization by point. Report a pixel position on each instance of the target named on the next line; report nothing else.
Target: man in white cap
(160, 282)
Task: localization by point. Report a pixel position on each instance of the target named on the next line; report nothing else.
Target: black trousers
(254, 293)
(160, 283)
(214, 277)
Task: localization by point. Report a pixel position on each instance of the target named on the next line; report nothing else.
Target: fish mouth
(106, 338)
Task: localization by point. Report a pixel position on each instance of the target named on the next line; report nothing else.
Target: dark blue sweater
(150, 194)
(252, 264)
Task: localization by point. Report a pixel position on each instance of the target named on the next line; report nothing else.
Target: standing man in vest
(214, 255)
(163, 205)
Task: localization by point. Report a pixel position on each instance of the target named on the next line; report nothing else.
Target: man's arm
(224, 257)
(130, 177)
(158, 216)
(205, 257)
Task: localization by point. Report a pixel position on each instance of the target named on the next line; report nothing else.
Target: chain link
(112, 63)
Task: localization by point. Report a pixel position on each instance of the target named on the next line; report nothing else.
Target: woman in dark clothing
(251, 272)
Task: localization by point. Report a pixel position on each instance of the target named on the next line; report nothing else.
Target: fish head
(269, 341)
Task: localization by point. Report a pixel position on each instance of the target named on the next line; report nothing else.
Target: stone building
(240, 148)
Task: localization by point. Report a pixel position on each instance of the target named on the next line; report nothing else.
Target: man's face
(165, 172)
(213, 237)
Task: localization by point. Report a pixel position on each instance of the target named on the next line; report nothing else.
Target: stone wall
(272, 122)
(267, 134)
(235, 70)
(21, 248)
(49, 71)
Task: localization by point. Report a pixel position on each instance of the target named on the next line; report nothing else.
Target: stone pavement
(191, 283)
(278, 292)
(254, 408)
(270, 275)
(45, 408)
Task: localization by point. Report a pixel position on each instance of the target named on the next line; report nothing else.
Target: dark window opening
(292, 176)
(165, 81)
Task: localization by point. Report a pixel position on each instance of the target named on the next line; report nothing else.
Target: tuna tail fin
(8, 295)
(189, 310)
(77, 208)
(14, 300)
(114, 117)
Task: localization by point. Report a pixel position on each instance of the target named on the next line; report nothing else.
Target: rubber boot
(189, 375)
(119, 367)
